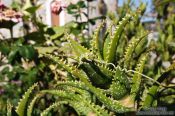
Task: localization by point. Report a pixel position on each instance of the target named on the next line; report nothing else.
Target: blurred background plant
(163, 55)
(20, 64)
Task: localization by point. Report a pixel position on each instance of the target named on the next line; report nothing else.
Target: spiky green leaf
(20, 109)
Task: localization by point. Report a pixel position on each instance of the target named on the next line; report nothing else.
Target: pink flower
(18, 16)
(11, 15)
(57, 6)
(2, 6)
(8, 15)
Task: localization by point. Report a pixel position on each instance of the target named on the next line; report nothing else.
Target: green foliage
(20, 109)
(164, 53)
(95, 83)
(120, 85)
(152, 93)
(106, 77)
(115, 39)
(78, 48)
(55, 105)
(136, 80)
(80, 11)
(20, 64)
(31, 105)
(21, 68)
(130, 50)
(97, 45)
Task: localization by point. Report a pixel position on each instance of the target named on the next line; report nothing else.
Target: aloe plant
(97, 82)
(96, 76)
(105, 79)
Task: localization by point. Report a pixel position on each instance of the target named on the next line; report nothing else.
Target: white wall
(45, 13)
(7, 2)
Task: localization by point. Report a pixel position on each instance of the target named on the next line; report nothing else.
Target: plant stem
(88, 18)
(11, 32)
(80, 15)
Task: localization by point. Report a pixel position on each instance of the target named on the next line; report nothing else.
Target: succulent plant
(97, 84)
(101, 80)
